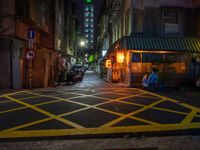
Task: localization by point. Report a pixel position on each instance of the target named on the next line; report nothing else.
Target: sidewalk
(126, 143)
(118, 85)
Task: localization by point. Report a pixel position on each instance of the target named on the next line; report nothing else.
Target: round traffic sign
(30, 54)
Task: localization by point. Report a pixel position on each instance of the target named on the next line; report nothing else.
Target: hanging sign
(108, 63)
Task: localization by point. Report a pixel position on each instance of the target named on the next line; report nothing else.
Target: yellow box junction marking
(68, 113)
(106, 128)
(130, 114)
(45, 113)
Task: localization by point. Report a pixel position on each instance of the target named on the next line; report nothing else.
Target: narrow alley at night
(99, 74)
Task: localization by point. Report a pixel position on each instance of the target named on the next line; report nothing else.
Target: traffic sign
(31, 33)
(30, 54)
(30, 43)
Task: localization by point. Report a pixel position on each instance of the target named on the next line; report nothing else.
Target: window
(154, 58)
(171, 17)
(170, 21)
(122, 26)
(139, 25)
(127, 21)
(136, 57)
(120, 29)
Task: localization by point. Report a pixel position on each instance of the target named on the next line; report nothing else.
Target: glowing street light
(82, 43)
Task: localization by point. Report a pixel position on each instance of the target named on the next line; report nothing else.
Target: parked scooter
(61, 77)
(150, 81)
(73, 77)
(78, 75)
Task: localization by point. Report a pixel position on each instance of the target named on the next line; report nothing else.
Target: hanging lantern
(108, 63)
(120, 57)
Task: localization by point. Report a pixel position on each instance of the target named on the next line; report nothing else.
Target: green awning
(180, 44)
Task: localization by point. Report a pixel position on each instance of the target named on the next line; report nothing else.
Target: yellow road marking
(117, 99)
(76, 93)
(68, 113)
(130, 117)
(189, 117)
(46, 113)
(146, 96)
(10, 110)
(130, 114)
(67, 100)
(50, 102)
(144, 120)
(14, 109)
(157, 108)
(132, 103)
(157, 95)
(26, 98)
(12, 93)
(190, 107)
(93, 131)
(101, 93)
(65, 93)
(51, 96)
(122, 94)
(169, 110)
(42, 120)
(61, 115)
(121, 129)
(5, 101)
(109, 111)
(26, 125)
(110, 100)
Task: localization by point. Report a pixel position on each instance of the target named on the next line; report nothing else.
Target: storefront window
(136, 57)
(155, 58)
(174, 58)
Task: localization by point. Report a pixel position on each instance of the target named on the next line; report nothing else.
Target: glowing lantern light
(120, 57)
(108, 63)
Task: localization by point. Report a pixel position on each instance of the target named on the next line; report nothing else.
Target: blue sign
(31, 34)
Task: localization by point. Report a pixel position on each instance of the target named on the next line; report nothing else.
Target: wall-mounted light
(120, 57)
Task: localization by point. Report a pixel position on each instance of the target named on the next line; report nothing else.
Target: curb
(119, 85)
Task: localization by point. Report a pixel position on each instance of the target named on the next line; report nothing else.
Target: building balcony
(32, 12)
(116, 5)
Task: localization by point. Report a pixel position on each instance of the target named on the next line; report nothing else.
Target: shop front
(134, 56)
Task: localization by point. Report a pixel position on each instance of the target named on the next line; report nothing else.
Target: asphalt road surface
(92, 107)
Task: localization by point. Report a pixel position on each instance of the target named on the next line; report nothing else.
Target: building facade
(88, 22)
(134, 26)
(71, 34)
(44, 18)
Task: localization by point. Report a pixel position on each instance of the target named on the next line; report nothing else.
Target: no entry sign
(30, 54)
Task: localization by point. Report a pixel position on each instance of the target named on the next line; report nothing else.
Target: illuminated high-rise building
(88, 24)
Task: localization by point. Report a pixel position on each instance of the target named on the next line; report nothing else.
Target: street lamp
(82, 43)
